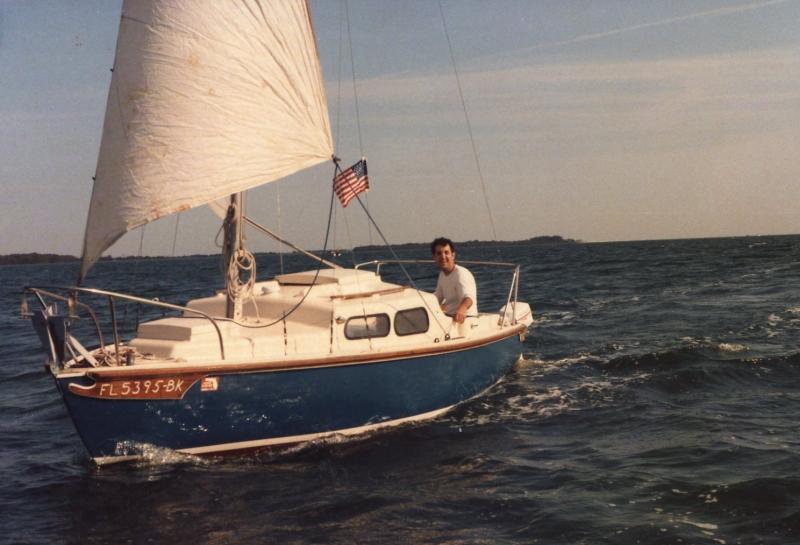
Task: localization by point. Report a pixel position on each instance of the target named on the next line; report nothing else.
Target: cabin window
(365, 327)
(411, 322)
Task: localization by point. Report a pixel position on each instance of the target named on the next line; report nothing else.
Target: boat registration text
(146, 388)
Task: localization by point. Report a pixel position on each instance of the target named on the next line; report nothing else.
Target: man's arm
(461, 312)
(468, 291)
(439, 292)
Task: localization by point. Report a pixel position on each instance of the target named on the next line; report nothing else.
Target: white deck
(316, 329)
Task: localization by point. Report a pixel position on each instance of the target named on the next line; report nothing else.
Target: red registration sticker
(209, 384)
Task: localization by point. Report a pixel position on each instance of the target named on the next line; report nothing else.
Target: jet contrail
(709, 13)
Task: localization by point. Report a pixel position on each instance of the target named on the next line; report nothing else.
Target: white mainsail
(207, 99)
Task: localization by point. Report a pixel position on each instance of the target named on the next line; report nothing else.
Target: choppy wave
(656, 402)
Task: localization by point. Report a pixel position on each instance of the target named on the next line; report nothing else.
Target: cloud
(608, 150)
(714, 94)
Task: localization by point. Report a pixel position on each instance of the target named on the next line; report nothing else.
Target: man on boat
(455, 288)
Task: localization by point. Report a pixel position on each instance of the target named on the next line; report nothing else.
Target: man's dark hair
(442, 241)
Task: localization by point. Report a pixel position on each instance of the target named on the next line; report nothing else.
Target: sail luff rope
(466, 118)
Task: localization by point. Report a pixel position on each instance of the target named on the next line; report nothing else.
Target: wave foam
(732, 347)
(774, 319)
(151, 455)
(543, 403)
(707, 343)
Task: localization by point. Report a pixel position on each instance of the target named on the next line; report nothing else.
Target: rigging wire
(134, 280)
(358, 281)
(360, 141)
(285, 242)
(372, 222)
(280, 225)
(395, 256)
(337, 111)
(466, 118)
(175, 235)
(355, 99)
(339, 77)
(335, 231)
(141, 240)
(308, 291)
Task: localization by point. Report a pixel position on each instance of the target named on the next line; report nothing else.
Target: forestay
(207, 99)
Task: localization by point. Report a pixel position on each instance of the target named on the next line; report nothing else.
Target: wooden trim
(441, 347)
(368, 293)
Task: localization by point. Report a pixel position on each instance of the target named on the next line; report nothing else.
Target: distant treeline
(26, 259)
(549, 239)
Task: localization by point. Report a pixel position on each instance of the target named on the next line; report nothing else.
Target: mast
(237, 258)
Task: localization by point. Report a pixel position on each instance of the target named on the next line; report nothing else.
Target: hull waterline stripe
(285, 441)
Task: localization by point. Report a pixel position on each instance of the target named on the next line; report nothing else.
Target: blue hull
(272, 407)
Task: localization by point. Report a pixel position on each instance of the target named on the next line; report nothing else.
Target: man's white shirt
(452, 288)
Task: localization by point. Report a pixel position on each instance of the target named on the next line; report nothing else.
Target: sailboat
(206, 102)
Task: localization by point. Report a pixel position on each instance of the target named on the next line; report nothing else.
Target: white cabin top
(343, 277)
(313, 317)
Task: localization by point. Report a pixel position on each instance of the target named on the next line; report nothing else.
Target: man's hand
(461, 311)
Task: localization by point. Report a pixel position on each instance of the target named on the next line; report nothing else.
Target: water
(655, 404)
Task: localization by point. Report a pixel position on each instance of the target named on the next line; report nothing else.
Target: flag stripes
(351, 182)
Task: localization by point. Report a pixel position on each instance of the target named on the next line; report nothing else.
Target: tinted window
(410, 322)
(363, 327)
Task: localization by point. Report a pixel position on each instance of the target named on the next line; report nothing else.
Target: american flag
(351, 182)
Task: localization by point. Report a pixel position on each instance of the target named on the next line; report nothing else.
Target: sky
(593, 119)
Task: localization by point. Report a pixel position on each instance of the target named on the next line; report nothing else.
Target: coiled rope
(242, 261)
(282, 319)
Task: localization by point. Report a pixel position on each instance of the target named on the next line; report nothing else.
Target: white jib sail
(207, 99)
